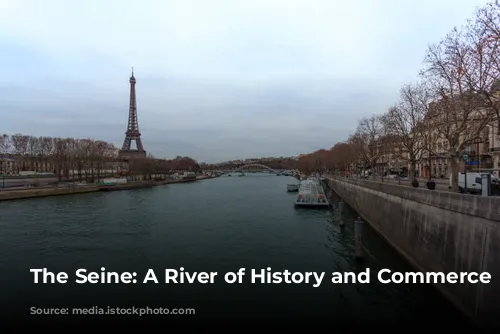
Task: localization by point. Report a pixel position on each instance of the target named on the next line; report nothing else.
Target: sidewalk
(441, 185)
(406, 180)
(442, 181)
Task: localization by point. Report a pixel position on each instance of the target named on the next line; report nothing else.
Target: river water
(216, 225)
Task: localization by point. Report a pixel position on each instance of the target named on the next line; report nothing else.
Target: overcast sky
(216, 80)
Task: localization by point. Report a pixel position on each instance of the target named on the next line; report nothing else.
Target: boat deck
(311, 194)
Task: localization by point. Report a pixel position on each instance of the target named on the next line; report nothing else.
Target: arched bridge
(256, 166)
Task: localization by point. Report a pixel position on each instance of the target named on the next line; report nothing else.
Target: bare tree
(320, 161)
(32, 152)
(149, 167)
(481, 66)
(60, 157)
(403, 121)
(431, 142)
(462, 78)
(100, 150)
(305, 164)
(88, 159)
(45, 149)
(487, 19)
(342, 156)
(20, 146)
(459, 114)
(5, 144)
(368, 139)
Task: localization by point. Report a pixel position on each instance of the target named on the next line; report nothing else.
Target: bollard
(341, 206)
(358, 238)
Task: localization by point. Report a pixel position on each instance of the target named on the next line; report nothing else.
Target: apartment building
(12, 164)
(491, 149)
(481, 153)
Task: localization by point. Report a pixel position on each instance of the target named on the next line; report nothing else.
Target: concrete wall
(437, 231)
(45, 192)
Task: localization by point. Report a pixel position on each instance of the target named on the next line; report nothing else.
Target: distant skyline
(216, 80)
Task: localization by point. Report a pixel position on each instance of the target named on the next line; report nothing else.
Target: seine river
(218, 225)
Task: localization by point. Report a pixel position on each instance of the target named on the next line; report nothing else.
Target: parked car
(474, 183)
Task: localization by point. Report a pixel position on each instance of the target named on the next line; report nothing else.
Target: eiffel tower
(132, 133)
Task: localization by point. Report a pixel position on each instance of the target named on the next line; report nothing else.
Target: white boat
(292, 187)
(311, 194)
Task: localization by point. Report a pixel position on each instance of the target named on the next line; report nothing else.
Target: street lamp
(478, 155)
(3, 173)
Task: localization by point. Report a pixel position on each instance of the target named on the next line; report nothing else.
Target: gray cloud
(216, 80)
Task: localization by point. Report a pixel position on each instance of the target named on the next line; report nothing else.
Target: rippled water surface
(214, 225)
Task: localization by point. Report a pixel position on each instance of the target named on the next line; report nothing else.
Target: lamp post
(478, 156)
(3, 173)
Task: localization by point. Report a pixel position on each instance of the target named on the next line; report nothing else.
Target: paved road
(440, 184)
(9, 183)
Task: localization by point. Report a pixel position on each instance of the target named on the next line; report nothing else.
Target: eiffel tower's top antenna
(132, 78)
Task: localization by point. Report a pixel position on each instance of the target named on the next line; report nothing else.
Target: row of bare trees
(84, 159)
(62, 156)
(455, 102)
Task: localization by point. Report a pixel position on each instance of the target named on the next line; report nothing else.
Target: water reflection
(215, 225)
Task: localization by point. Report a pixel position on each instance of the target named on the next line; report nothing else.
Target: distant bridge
(259, 166)
(251, 167)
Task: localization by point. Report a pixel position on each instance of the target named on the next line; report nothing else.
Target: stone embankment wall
(44, 192)
(437, 231)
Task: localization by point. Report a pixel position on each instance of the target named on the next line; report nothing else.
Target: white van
(474, 180)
